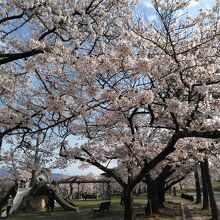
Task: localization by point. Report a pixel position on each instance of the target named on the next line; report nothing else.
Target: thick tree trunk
(153, 198)
(181, 188)
(33, 178)
(205, 202)
(198, 188)
(213, 205)
(71, 191)
(174, 191)
(108, 191)
(161, 188)
(156, 190)
(128, 205)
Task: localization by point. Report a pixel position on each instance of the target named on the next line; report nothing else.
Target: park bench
(188, 197)
(89, 196)
(102, 207)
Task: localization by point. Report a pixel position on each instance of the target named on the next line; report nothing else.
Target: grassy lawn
(56, 215)
(115, 201)
(85, 213)
(216, 184)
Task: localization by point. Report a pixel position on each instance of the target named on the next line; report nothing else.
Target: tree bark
(174, 191)
(181, 188)
(205, 202)
(71, 191)
(198, 188)
(108, 191)
(161, 188)
(213, 205)
(33, 178)
(7, 58)
(156, 190)
(128, 205)
(153, 198)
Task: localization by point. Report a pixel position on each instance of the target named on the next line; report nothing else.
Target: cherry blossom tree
(51, 25)
(133, 88)
(160, 85)
(39, 68)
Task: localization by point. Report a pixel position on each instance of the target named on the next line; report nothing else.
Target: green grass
(54, 216)
(116, 211)
(138, 201)
(115, 201)
(216, 184)
(85, 206)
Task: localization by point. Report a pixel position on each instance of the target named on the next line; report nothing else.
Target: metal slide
(64, 204)
(21, 193)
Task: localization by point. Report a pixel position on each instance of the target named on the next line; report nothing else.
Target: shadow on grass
(85, 213)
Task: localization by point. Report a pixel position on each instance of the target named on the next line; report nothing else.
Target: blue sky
(193, 8)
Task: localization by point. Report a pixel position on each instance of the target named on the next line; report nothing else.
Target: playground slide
(65, 205)
(21, 193)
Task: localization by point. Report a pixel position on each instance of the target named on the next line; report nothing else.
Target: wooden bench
(188, 197)
(103, 206)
